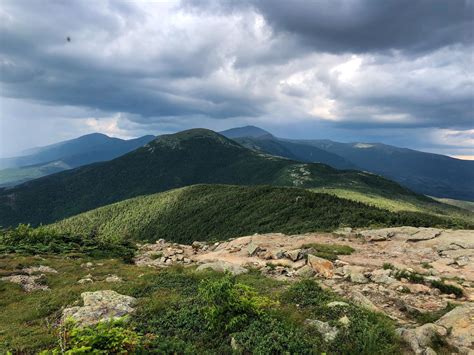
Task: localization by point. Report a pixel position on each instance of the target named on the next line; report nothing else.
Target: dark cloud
(360, 26)
(138, 66)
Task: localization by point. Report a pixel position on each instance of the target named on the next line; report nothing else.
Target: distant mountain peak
(246, 131)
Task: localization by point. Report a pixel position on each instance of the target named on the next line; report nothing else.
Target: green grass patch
(328, 251)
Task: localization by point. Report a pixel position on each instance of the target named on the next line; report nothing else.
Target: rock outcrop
(99, 306)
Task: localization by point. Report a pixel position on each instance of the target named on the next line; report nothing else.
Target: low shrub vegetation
(328, 251)
(232, 211)
(31, 241)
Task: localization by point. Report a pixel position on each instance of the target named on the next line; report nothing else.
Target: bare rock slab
(223, 266)
(460, 322)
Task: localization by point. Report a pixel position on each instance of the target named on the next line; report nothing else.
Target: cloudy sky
(394, 71)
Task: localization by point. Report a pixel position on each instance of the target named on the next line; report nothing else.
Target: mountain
(295, 151)
(230, 211)
(65, 155)
(426, 173)
(190, 157)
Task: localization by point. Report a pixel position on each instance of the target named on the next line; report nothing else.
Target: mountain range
(196, 156)
(42, 161)
(426, 173)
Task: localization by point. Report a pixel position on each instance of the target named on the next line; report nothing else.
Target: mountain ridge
(426, 173)
(186, 158)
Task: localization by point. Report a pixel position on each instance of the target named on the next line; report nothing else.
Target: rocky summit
(400, 272)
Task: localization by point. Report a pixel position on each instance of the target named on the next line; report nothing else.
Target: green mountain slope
(426, 173)
(217, 212)
(182, 159)
(295, 151)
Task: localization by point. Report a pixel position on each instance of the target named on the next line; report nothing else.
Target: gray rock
(355, 274)
(28, 283)
(113, 278)
(100, 306)
(294, 255)
(421, 338)
(305, 272)
(34, 269)
(337, 304)
(329, 333)
(223, 266)
(382, 277)
(253, 248)
(362, 301)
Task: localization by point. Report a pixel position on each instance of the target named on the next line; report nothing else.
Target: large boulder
(420, 339)
(382, 276)
(359, 299)
(321, 266)
(223, 266)
(355, 274)
(460, 323)
(99, 306)
(29, 283)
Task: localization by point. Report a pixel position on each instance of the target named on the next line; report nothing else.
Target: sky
(398, 72)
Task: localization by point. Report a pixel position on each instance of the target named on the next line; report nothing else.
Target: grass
(328, 251)
(170, 316)
(218, 212)
(431, 317)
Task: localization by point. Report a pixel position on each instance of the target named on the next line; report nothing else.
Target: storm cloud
(349, 70)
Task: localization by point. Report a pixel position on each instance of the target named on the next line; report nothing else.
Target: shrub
(272, 336)
(231, 304)
(448, 289)
(104, 338)
(328, 251)
(388, 266)
(30, 241)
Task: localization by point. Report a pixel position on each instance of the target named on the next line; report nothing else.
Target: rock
(87, 265)
(329, 333)
(28, 283)
(345, 321)
(460, 322)
(321, 266)
(41, 268)
(343, 231)
(100, 306)
(294, 254)
(362, 301)
(382, 277)
(355, 274)
(223, 266)
(421, 338)
(305, 272)
(418, 288)
(424, 234)
(429, 351)
(253, 248)
(198, 245)
(337, 304)
(113, 278)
